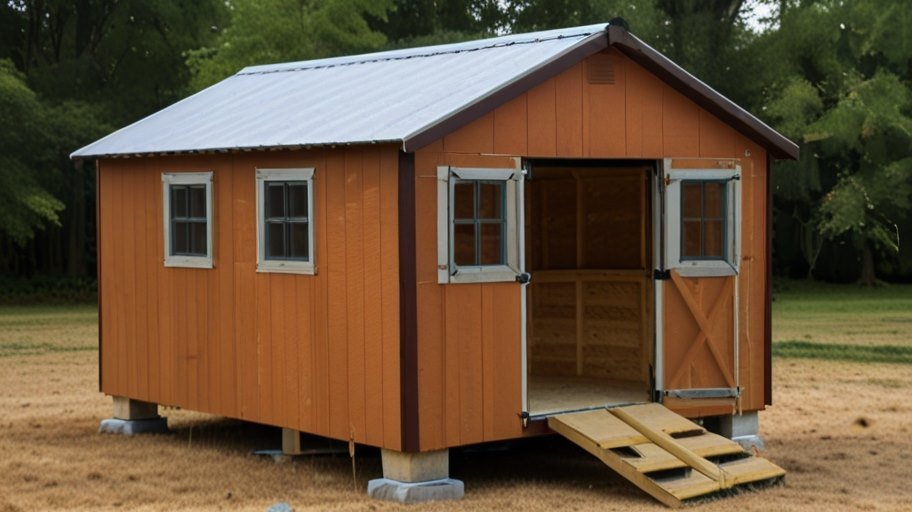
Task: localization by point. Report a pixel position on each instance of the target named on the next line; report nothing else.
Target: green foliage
(48, 290)
(412, 23)
(869, 123)
(833, 75)
(123, 55)
(24, 205)
(268, 31)
(797, 106)
(842, 89)
(71, 72)
(643, 16)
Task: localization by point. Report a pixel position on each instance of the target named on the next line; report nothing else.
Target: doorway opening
(588, 246)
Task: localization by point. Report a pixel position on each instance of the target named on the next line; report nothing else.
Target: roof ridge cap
(453, 51)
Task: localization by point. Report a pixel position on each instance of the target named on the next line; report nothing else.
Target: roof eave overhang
(703, 95)
(80, 155)
(587, 46)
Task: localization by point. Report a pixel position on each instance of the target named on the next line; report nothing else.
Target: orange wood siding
(315, 353)
(469, 334)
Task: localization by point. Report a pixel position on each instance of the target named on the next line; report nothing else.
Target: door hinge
(524, 418)
(661, 275)
(698, 393)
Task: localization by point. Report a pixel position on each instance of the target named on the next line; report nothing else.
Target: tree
(268, 31)
(845, 94)
(74, 64)
(412, 23)
(643, 16)
(25, 206)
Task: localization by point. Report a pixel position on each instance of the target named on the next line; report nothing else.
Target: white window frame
(447, 270)
(187, 178)
(285, 266)
(729, 266)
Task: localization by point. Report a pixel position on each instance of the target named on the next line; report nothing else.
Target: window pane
(297, 197)
(198, 238)
(275, 240)
(464, 244)
(275, 200)
(490, 200)
(198, 201)
(691, 197)
(714, 200)
(299, 242)
(180, 238)
(178, 201)
(712, 238)
(464, 200)
(491, 244)
(690, 242)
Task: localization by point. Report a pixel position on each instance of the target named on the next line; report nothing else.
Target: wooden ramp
(665, 454)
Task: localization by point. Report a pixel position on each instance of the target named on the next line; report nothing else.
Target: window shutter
(511, 268)
(443, 224)
(673, 253)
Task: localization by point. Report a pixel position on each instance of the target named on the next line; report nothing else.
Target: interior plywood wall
(586, 235)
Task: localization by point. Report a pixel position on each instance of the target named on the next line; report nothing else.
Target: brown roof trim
(590, 45)
(408, 307)
(702, 94)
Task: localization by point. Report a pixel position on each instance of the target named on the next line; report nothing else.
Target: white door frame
(523, 291)
(658, 257)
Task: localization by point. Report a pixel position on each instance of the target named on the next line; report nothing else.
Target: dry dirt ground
(843, 431)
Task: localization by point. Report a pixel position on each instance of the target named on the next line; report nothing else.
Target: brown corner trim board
(768, 298)
(408, 305)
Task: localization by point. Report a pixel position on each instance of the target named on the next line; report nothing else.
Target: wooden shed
(436, 247)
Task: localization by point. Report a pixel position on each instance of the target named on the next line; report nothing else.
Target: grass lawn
(35, 330)
(847, 454)
(809, 314)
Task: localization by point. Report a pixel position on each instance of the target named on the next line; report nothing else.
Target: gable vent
(600, 70)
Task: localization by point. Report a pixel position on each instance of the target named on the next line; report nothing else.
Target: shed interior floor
(549, 394)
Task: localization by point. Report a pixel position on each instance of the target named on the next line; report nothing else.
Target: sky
(756, 11)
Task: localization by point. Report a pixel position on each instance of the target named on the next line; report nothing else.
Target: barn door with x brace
(698, 232)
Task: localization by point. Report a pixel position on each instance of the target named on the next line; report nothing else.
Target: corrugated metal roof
(380, 97)
(410, 96)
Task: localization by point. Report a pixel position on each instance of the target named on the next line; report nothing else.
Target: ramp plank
(669, 444)
(660, 418)
(602, 427)
(690, 486)
(636, 441)
(752, 469)
(653, 458)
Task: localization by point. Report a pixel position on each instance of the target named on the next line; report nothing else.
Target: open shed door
(697, 283)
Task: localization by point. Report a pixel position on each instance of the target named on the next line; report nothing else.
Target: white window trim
(187, 178)
(285, 266)
(447, 270)
(704, 268)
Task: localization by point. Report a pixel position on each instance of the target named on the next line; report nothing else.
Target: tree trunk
(868, 276)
